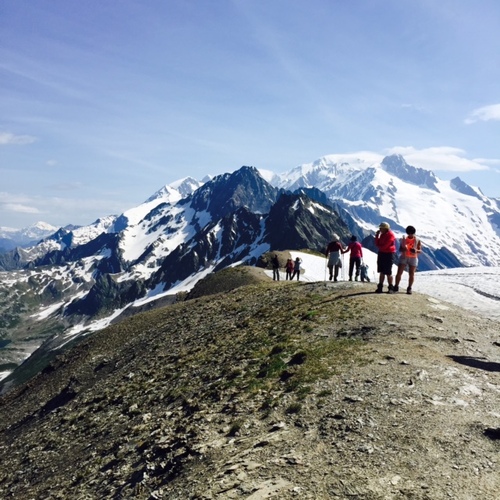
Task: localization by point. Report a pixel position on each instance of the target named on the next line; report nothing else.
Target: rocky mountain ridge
(81, 279)
(449, 216)
(162, 244)
(283, 390)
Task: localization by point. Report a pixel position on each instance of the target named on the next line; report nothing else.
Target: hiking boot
(395, 288)
(356, 278)
(379, 289)
(408, 290)
(350, 279)
(391, 289)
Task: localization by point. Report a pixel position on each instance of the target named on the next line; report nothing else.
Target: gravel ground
(278, 390)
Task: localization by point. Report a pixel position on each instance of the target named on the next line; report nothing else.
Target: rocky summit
(269, 390)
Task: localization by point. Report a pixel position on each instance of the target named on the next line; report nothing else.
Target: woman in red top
(356, 255)
(385, 241)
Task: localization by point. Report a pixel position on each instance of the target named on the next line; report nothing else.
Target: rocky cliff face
(286, 389)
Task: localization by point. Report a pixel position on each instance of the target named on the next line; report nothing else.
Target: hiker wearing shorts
(410, 247)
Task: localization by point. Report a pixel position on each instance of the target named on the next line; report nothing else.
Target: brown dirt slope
(274, 390)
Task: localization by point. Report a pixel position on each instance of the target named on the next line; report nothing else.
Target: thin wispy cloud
(445, 159)
(160, 92)
(66, 186)
(18, 208)
(22, 204)
(484, 114)
(7, 138)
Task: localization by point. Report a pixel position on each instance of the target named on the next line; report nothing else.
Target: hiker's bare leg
(411, 275)
(401, 269)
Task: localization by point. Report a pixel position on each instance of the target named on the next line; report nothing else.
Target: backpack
(416, 245)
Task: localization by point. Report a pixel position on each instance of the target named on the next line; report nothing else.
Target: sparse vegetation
(215, 396)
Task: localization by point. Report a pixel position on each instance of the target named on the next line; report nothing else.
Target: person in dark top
(289, 269)
(276, 267)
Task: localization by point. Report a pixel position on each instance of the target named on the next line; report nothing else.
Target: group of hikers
(385, 241)
(292, 268)
(409, 249)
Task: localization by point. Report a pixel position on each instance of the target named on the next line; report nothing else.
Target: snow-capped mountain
(448, 215)
(83, 279)
(78, 280)
(11, 238)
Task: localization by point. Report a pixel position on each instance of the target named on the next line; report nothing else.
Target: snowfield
(473, 288)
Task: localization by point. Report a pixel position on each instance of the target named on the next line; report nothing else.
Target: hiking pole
(326, 265)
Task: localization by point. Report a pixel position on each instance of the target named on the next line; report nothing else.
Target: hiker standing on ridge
(385, 241)
(296, 268)
(289, 269)
(356, 256)
(276, 267)
(409, 247)
(333, 251)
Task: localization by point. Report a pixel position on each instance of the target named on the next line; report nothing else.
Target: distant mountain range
(11, 238)
(81, 278)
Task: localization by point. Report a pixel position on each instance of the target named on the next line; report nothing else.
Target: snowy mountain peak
(39, 227)
(396, 165)
(186, 186)
(225, 193)
(166, 194)
(10, 238)
(462, 187)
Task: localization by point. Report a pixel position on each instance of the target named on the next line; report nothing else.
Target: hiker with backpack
(410, 247)
(385, 241)
(355, 257)
(333, 251)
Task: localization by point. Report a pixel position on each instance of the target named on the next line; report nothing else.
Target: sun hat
(335, 237)
(384, 225)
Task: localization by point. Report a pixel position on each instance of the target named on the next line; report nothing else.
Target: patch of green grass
(310, 315)
(293, 408)
(324, 393)
(235, 428)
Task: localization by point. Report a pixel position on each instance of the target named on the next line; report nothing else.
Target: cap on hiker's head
(353, 238)
(384, 225)
(335, 237)
(410, 230)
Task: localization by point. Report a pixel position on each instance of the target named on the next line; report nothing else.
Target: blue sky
(104, 102)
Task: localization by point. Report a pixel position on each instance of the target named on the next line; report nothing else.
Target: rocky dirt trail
(280, 390)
